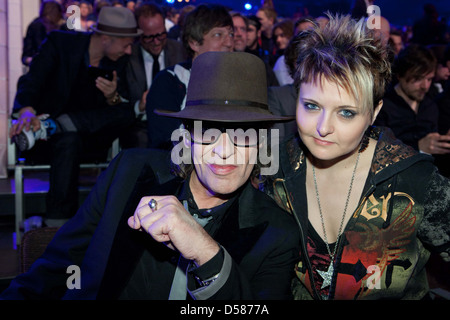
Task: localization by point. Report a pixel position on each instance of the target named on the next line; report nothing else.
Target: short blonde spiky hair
(347, 53)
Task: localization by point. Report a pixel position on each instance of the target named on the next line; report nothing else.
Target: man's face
(416, 88)
(281, 39)
(221, 167)
(396, 42)
(252, 36)
(266, 23)
(303, 26)
(152, 26)
(217, 39)
(442, 73)
(240, 34)
(84, 10)
(116, 47)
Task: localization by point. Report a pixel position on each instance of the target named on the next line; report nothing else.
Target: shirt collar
(216, 212)
(148, 57)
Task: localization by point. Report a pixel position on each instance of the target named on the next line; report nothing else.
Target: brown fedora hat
(226, 87)
(117, 22)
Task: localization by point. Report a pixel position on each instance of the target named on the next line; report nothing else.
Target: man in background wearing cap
(71, 96)
(208, 27)
(206, 234)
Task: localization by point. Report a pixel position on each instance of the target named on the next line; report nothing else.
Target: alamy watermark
(73, 281)
(74, 17)
(374, 13)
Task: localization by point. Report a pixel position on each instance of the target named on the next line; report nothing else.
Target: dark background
(398, 12)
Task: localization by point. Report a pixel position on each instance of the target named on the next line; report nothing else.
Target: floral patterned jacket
(402, 215)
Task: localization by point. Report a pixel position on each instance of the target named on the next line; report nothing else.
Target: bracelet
(207, 282)
(115, 99)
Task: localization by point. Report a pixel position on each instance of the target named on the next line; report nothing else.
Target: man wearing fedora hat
(71, 96)
(208, 27)
(206, 234)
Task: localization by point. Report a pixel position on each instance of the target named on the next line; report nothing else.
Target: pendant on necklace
(327, 276)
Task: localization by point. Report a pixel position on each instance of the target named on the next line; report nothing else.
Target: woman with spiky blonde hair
(366, 205)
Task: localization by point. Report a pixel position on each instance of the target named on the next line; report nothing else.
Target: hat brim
(220, 113)
(114, 34)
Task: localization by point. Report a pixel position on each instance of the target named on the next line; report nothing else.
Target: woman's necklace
(328, 275)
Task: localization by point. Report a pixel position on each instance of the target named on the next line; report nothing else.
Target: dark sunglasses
(151, 37)
(241, 137)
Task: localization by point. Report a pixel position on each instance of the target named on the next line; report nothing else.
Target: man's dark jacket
(261, 238)
(54, 70)
(408, 126)
(174, 53)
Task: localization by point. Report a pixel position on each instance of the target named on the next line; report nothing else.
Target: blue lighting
(170, 1)
(248, 6)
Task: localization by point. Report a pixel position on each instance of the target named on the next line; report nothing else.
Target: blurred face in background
(216, 39)
(281, 40)
(266, 23)
(303, 26)
(252, 36)
(397, 43)
(85, 9)
(442, 73)
(116, 47)
(154, 36)
(240, 33)
(416, 88)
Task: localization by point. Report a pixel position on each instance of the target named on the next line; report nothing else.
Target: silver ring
(152, 204)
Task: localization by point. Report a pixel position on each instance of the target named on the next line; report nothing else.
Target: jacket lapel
(241, 227)
(128, 246)
(240, 230)
(138, 69)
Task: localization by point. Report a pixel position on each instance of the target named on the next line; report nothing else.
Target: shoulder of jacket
(392, 155)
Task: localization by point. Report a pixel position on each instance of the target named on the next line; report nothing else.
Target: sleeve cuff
(141, 115)
(219, 268)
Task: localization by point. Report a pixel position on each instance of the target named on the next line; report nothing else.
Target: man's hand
(172, 224)
(434, 143)
(143, 101)
(107, 87)
(27, 120)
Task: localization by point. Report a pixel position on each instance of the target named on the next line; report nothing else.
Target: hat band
(105, 28)
(227, 103)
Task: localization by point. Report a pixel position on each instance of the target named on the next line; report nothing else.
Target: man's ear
(377, 110)
(194, 45)
(187, 139)
(106, 39)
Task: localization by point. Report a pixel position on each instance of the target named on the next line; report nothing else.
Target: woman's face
(330, 122)
(221, 167)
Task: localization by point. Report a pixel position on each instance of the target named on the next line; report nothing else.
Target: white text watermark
(267, 156)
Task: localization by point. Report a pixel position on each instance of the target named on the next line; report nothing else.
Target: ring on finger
(152, 204)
